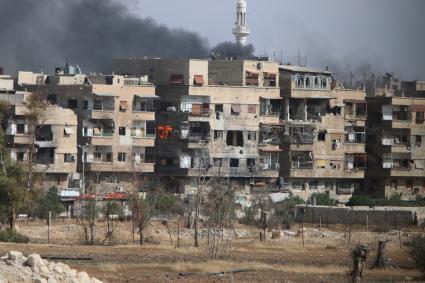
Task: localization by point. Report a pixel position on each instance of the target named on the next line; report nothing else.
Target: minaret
(241, 31)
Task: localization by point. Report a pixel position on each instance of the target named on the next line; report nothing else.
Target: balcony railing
(302, 165)
(202, 113)
(300, 139)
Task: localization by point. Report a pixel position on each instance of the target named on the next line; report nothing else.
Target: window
(393, 184)
(250, 162)
(234, 138)
(420, 117)
(98, 157)
(236, 109)
(321, 136)
(150, 155)
(418, 141)
(20, 156)
(69, 158)
(109, 157)
(122, 156)
(72, 103)
(217, 162)
(122, 131)
(123, 106)
(252, 108)
(20, 129)
(85, 104)
(150, 128)
(219, 108)
(218, 135)
(234, 163)
(252, 136)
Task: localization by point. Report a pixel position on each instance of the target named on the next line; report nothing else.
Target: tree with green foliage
(165, 203)
(323, 199)
(50, 201)
(361, 200)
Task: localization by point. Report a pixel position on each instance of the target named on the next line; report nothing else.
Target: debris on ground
(15, 267)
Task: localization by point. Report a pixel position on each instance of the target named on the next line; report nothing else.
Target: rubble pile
(15, 267)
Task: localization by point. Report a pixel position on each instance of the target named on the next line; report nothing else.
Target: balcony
(144, 141)
(19, 139)
(203, 115)
(105, 139)
(354, 147)
(56, 168)
(102, 115)
(120, 167)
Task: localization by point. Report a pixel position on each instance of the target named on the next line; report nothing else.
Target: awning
(176, 79)
(196, 109)
(321, 163)
(199, 80)
(252, 74)
(270, 75)
(68, 130)
(123, 105)
(44, 144)
(236, 108)
(418, 108)
(105, 94)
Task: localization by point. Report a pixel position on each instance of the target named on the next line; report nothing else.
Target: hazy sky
(388, 34)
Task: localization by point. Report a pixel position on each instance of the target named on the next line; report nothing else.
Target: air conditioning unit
(120, 189)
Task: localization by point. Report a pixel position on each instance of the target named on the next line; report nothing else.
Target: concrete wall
(391, 216)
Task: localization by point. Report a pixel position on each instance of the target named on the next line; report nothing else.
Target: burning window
(165, 132)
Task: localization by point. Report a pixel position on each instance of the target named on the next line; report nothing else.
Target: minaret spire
(241, 30)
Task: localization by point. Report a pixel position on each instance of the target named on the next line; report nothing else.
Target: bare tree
(359, 256)
(87, 218)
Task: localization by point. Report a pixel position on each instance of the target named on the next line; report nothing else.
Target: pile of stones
(15, 267)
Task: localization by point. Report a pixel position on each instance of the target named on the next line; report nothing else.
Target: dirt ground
(325, 256)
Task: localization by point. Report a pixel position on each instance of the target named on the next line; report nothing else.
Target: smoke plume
(44, 34)
(233, 50)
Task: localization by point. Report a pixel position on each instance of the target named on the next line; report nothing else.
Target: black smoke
(233, 50)
(43, 34)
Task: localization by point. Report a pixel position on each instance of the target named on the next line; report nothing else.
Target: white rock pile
(15, 267)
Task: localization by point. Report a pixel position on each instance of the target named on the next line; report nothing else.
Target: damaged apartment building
(114, 129)
(323, 146)
(396, 137)
(214, 119)
(47, 144)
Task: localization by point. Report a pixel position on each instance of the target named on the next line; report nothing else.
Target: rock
(51, 265)
(39, 280)
(58, 269)
(52, 280)
(95, 280)
(17, 257)
(44, 270)
(35, 260)
(83, 277)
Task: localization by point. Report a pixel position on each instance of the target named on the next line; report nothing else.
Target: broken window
(321, 136)
(251, 78)
(361, 110)
(219, 108)
(68, 158)
(420, 117)
(122, 156)
(85, 105)
(44, 133)
(51, 98)
(218, 135)
(122, 131)
(97, 157)
(234, 163)
(418, 141)
(176, 79)
(72, 103)
(250, 162)
(234, 138)
(270, 79)
(217, 162)
(45, 156)
(20, 156)
(20, 129)
(252, 136)
(301, 160)
(199, 131)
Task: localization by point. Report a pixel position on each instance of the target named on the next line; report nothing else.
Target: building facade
(323, 147)
(396, 135)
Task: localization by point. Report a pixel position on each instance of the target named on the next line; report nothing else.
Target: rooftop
(300, 69)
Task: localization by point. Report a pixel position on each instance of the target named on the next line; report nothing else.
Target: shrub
(165, 203)
(417, 251)
(323, 199)
(360, 200)
(50, 201)
(249, 218)
(12, 236)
